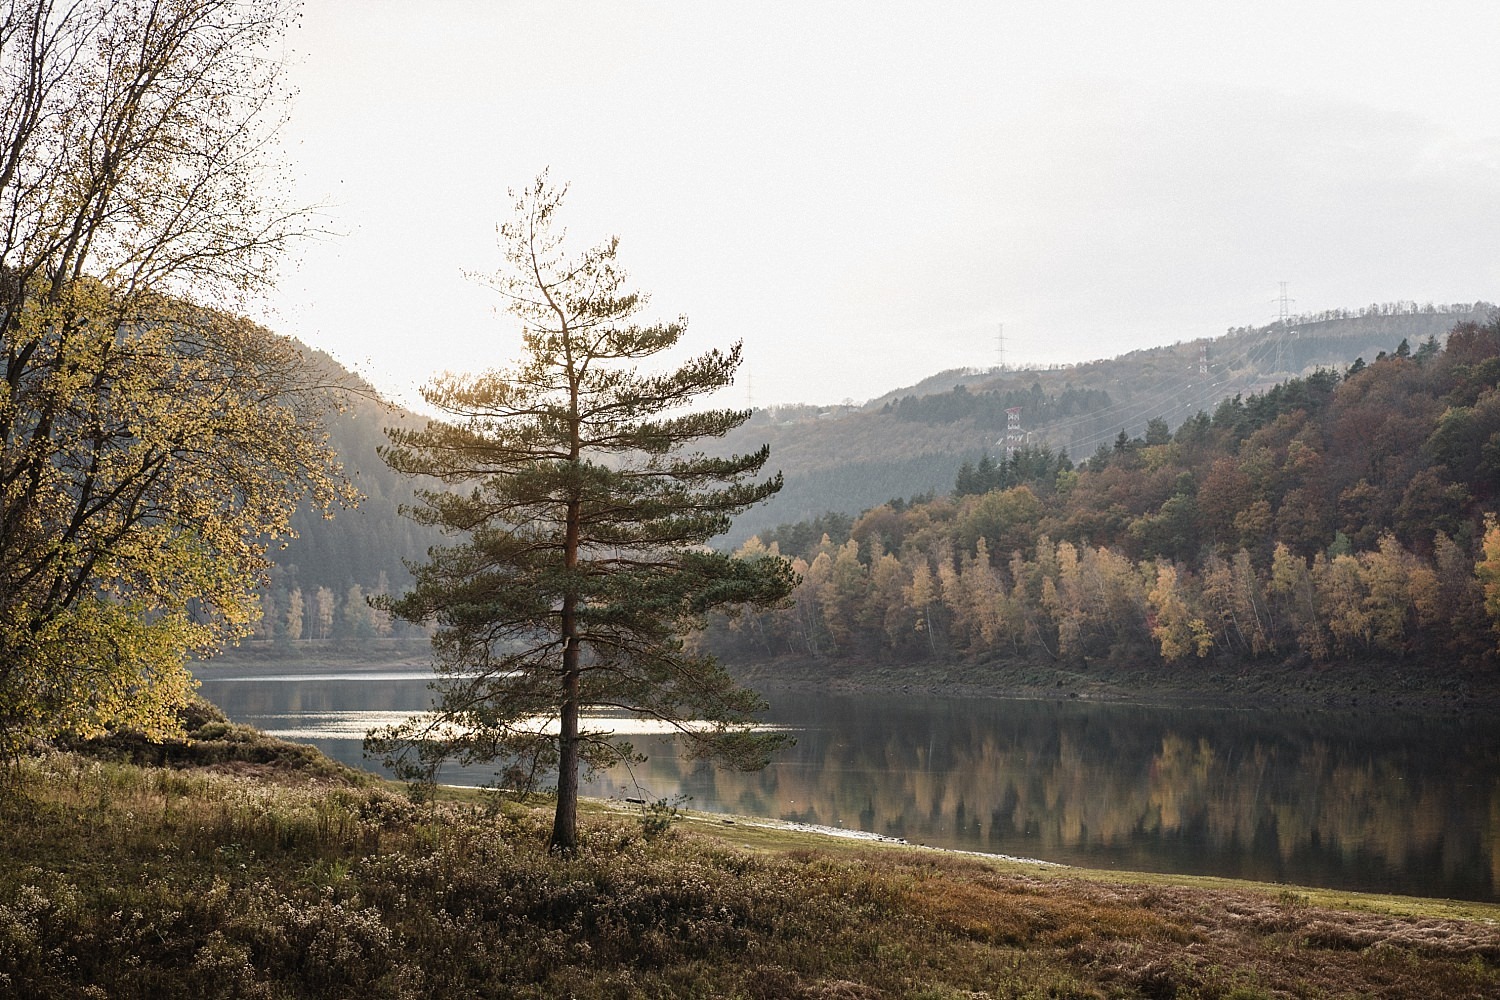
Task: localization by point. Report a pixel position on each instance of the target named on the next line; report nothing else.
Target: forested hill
(321, 577)
(912, 442)
(907, 444)
(1345, 514)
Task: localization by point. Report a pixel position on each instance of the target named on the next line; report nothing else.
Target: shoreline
(867, 837)
(827, 838)
(1400, 685)
(1406, 686)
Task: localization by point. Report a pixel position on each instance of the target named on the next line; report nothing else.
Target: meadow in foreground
(233, 865)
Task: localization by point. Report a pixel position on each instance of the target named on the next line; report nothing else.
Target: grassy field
(233, 865)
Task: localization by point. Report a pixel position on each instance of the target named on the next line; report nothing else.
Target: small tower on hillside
(1203, 358)
(1014, 436)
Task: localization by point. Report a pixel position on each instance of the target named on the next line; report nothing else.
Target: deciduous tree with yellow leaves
(150, 439)
(1488, 570)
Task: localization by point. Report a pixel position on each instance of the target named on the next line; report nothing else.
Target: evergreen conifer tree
(582, 517)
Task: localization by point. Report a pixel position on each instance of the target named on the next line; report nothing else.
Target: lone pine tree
(582, 513)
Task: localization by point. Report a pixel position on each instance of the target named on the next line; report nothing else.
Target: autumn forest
(1340, 515)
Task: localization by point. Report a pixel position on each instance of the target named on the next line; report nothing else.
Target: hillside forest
(920, 477)
(1338, 515)
(912, 441)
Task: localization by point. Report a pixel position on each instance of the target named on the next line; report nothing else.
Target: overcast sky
(863, 192)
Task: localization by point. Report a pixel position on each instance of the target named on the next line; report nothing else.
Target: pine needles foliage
(582, 511)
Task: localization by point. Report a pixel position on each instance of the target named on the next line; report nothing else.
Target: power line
(1283, 319)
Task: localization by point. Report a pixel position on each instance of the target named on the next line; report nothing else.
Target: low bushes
(207, 882)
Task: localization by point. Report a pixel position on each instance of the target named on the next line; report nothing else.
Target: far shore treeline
(1340, 515)
(1337, 516)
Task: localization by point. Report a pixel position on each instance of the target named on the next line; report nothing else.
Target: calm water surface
(1375, 802)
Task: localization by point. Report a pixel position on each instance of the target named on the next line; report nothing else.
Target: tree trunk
(564, 839)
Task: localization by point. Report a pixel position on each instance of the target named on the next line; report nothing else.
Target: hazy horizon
(864, 193)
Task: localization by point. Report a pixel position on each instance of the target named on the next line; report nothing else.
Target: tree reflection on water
(1368, 802)
(1379, 802)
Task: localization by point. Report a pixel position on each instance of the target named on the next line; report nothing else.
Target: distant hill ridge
(912, 442)
(846, 459)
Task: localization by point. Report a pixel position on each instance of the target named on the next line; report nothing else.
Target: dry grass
(205, 879)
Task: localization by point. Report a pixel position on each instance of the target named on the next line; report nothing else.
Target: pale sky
(863, 192)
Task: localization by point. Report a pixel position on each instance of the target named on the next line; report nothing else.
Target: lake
(1377, 802)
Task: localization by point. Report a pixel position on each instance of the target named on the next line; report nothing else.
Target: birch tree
(295, 609)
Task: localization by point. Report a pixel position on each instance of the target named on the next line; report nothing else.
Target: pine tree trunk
(564, 839)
